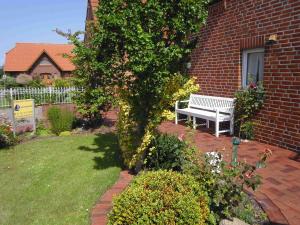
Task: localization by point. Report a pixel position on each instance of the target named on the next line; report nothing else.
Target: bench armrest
(176, 104)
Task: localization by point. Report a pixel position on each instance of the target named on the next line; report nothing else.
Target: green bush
(65, 133)
(36, 83)
(161, 197)
(248, 103)
(248, 212)
(9, 82)
(41, 129)
(60, 120)
(166, 152)
(61, 83)
(247, 130)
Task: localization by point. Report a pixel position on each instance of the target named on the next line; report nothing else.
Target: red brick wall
(234, 25)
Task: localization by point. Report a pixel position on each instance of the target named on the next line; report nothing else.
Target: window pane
(254, 67)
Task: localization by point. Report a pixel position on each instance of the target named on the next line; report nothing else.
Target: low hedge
(161, 197)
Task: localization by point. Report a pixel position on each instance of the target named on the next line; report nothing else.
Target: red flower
(252, 85)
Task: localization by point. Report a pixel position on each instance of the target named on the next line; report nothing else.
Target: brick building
(261, 39)
(43, 61)
(257, 40)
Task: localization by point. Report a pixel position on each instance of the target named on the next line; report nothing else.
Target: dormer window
(45, 61)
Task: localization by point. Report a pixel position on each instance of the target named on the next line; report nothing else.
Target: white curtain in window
(255, 66)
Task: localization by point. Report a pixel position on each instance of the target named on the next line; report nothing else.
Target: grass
(56, 180)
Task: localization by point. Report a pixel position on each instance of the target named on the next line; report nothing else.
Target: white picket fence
(41, 96)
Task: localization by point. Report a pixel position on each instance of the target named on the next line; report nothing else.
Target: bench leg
(217, 128)
(194, 122)
(231, 126)
(207, 123)
(189, 118)
(176, 118)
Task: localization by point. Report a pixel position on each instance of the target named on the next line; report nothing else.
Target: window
(253, 66)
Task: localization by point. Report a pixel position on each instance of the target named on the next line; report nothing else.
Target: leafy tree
(144, 45)
(137, 48)
(97, 94)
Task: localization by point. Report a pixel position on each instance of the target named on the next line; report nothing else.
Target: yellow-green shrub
(183, 92)
(161, 197)
(133, 145)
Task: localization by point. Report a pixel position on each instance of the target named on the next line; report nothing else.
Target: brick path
(101, 209)
(279, 195)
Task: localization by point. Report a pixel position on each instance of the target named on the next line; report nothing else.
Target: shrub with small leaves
(166, 152)
(161, 197)
(60, 120)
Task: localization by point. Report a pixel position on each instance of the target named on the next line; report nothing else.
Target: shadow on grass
(107, 144)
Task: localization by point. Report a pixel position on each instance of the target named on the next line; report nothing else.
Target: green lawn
(57, 180)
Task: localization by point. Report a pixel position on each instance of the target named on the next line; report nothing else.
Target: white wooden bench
(209, 108)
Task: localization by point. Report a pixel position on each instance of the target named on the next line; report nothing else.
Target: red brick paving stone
(102, 208)
(273, 181)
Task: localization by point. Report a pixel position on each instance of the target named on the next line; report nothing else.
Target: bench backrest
(211, 102)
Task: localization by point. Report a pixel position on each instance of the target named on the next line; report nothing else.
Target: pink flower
(252, 85)
(248, 175)
(181, 137)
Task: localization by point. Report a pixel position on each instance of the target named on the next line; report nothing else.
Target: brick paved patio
(280, 192)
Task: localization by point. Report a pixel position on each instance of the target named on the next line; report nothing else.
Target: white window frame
(245, 65)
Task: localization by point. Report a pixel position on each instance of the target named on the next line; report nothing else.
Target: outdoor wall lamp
(272, 39)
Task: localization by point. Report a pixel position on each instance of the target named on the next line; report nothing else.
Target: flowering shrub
(6, 132)
(225, 183)
(161, 197)
(248, 103)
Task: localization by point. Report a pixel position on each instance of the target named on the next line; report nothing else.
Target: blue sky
(35, 20)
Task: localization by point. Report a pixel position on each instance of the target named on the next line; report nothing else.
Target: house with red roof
(46, 62)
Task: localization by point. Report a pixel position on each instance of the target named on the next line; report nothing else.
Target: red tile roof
(24, 55)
